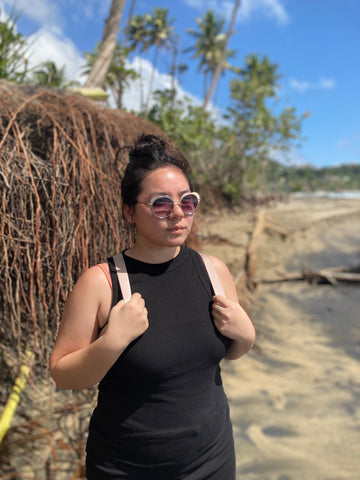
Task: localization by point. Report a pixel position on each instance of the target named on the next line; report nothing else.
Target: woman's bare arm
(231, 319)
(80, 359)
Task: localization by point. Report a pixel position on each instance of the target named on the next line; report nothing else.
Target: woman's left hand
(230, 318)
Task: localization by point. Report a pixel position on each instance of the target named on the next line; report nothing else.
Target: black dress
(162, 413)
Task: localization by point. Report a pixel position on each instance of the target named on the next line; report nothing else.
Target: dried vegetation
(60, 206)
(60, 173)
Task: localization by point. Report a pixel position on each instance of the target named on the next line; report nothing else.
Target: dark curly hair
(148, 154)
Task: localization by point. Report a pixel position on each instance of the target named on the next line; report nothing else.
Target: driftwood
(329, 275)
(216, 239)
(261, 225)
(325, 275)
(251, 254)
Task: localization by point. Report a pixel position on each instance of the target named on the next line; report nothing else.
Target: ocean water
(345, 195)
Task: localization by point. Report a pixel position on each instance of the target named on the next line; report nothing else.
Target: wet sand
(295, 398)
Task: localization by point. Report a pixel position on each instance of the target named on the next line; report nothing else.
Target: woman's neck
(152, 255)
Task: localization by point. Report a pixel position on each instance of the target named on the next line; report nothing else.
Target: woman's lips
(176, 229)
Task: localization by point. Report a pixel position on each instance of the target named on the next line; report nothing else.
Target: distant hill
(293, 179)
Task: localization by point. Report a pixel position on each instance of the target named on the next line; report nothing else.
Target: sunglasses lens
(189, 204)
(162, 207)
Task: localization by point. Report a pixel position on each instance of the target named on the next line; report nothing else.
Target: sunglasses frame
(156, 197)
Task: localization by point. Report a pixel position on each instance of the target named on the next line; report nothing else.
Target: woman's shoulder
(104, 267)
(219, 265)
(95, 278)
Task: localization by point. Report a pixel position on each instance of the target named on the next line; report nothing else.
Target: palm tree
(48, 74)
(118, 76)
(255, 127)
(130, 16)
(210, 45)
(138, 34)
(13, 49)
(160, 35)
(176, 69)
(224, 53)
(101, 65)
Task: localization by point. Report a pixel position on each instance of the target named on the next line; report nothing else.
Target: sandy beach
(295, 398)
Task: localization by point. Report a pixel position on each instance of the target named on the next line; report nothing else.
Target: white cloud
(40, 11)
(162, 81)
(343, 144)
(349, 143)
(303, 85)
(268, 8)
(48, 42)
(50, 14)
(45, 45)
(272, 9)
(87, 10)
(327, 83)
(299, 85)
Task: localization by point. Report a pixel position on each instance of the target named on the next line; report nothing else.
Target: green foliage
(258, 132)
(48, 74)
(160, 35)
(137, 32)
(160, 28)
(182, 121)
(233, 154)
(209, 44)
(119, 75)
(288, 179)
(231, 191)
(13, 48)
(151, 30)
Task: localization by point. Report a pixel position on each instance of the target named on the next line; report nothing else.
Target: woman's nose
(177, 211)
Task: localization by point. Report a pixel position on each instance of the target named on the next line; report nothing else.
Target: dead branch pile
(48, 438)
(60, 206)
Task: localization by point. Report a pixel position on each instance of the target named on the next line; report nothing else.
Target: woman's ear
(128, 212)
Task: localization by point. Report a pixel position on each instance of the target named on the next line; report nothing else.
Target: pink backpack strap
(106, 272)
(215, 282)
(122, 276)
(124, 283)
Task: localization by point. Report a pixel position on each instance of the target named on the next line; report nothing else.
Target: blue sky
(314, 42)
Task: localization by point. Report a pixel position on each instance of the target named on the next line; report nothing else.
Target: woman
(162, 412)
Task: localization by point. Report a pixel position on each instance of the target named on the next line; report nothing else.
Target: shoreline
(344, 194)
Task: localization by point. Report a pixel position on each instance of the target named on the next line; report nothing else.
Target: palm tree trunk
(141, 86)
(151, 85)
(101, 65)
(219, 66)
(131, 11)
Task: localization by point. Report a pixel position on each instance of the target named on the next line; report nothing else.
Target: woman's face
(168, 232)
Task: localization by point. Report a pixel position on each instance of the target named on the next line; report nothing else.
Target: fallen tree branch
(251, 254)
(216, 239)
(261, 225)
(269, 225)
(331, 275)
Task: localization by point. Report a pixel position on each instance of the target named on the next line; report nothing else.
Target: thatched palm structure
(60, 207)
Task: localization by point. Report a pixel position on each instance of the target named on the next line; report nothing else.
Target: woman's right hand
(127, 321)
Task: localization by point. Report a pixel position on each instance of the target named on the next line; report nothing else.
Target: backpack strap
(215, 282)
(122, 276)
(124, 283)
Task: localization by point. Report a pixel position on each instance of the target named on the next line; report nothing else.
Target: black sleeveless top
(162, 410)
